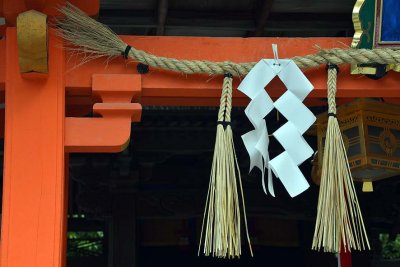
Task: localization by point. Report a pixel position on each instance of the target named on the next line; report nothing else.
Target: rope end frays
(339, 219)
(222, 216)
(87, 36)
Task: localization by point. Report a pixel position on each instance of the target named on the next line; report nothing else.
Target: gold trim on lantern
(357, 23)
(359, 32)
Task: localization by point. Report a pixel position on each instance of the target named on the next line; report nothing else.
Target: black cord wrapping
(333, 66)
(224, 123)
(142, 68)
(126, 52)
(332, 115)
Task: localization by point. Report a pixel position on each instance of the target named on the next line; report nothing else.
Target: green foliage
(76, 216)
(390, 248)
(81, 244)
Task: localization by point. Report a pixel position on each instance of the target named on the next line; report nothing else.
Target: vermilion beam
(167, 88)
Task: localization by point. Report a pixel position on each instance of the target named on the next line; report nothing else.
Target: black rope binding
(330, 66)
(224, 123)
(332, 115)
(126, 52)
(142, 68)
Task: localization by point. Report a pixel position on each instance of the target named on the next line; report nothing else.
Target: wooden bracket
(32, 42)
(110, 132)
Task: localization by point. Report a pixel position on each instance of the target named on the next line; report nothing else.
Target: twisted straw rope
(221, 226)
(332, 78)
(94, 39)
(324, 56)
(339, 219)
(225, 105)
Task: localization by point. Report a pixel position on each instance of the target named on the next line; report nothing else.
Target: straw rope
(339, 219)
(94, 39)
(221, 220)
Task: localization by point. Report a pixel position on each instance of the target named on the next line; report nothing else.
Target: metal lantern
(371, 134)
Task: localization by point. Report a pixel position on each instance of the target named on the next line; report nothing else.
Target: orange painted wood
(84, 135)
(167, 88)
(2, 67)
(111, 132)
(2, 122)
(117, 88)
(64, 229)
(33, 220)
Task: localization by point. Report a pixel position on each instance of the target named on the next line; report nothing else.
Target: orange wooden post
(345, 259)
(34, 214)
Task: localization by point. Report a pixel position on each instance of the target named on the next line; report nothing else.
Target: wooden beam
(162, 16)
(123, 238)
(167, 88)
(212, 23)
(263, 17)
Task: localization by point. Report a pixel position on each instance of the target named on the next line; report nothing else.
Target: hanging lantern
(371, 134)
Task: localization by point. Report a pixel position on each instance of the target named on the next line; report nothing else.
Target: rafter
(162, 16)
(263, 17)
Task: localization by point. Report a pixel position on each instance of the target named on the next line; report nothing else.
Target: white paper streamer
(290, 105)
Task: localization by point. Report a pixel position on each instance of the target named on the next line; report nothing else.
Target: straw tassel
(339, 218)
(221, 221)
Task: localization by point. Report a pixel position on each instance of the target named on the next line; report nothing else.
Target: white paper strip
(295, 111)
(262, 148)
(259, 107)
(253, 84)
(289, 174)
(293, 142)
(250, 140)
(284, 166)
(295, 81)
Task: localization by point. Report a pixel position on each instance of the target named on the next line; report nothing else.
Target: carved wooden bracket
(111, 132)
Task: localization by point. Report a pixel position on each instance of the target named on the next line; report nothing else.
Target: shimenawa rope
(94, 40)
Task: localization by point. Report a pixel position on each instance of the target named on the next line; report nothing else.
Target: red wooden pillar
(34, 198)
(64, 230)
(344, 258)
